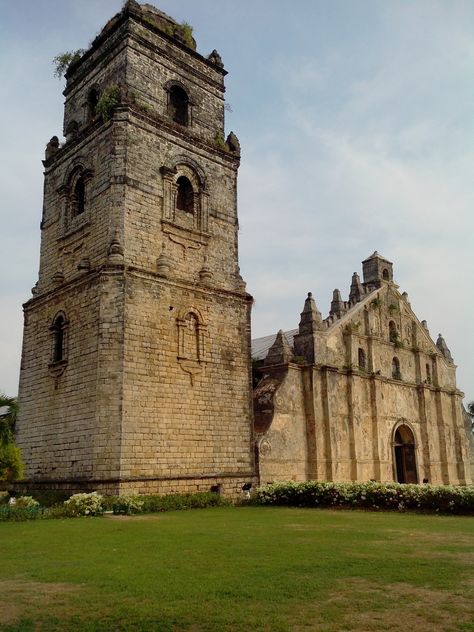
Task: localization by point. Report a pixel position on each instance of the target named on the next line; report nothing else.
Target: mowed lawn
(248, 568)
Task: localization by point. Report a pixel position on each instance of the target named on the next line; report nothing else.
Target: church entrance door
(405, 458)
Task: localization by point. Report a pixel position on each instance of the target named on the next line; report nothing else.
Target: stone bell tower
(136, 356)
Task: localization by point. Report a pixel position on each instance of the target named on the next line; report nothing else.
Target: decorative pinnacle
(311, 319)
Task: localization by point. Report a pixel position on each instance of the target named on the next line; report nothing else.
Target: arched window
(178, 105)
(58, 329)
(405, 457)
(362, 359)
(191, 337)
(185, 195)
(190, 340)
(396, 369)
(92, 101)
(428, 374)
(385, 275)
(79, 197)
(392, 331)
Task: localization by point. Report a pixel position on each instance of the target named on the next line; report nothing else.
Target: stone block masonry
(136, 356)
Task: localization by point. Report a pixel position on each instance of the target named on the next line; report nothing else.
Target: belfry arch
(404, 455)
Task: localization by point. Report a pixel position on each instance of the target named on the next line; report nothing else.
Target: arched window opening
(92, 101)
(396, 369)
(428, 374)
(392, 331)
(405, 457)
(79, 196)
(58, 329)
(191, 338)
(178, 105)
(385, 275)
(362, 359)
(185, 195)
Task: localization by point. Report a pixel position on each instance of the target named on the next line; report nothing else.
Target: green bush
(11, 466)
(391, 496)
(84, 505)
(127, 505)
(49, 498)
(93, 504)
(14, 513)
(57, 511)
(161, 502)
(173, 502)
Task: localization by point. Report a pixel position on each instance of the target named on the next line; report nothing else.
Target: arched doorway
(404, 454)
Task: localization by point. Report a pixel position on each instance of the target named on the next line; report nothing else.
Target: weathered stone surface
(135, 374)
(280, 352)
(341, 416)
(152, 392)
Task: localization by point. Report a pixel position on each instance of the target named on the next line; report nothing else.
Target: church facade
(136, 365)
(363, 395)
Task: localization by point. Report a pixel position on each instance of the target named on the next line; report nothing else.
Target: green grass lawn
(248, 568)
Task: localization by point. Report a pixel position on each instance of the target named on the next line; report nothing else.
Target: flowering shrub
(127, 505)
(84, 505)
(438, 498)
(26, 502)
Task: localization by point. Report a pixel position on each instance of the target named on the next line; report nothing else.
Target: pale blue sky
(355, 119)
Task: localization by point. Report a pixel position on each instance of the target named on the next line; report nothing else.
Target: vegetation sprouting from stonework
(220, 142)
(187, 34)
(182, 32)
(11, 467)
(63, 61)
(108, 101)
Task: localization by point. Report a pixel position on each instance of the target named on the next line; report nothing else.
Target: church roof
(260, 346)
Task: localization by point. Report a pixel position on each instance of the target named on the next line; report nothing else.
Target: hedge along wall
(392, 496)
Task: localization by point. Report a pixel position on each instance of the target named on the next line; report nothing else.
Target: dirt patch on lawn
(402, 607)
(20, 597)
(424, 537)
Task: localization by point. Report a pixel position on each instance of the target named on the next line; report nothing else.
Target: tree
(470, 412)
(11, 466)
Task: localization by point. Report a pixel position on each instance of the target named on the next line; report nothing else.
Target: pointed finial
(356, 291)
(280, 352)
(311, 319)
(443, 347)
(337, 304)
